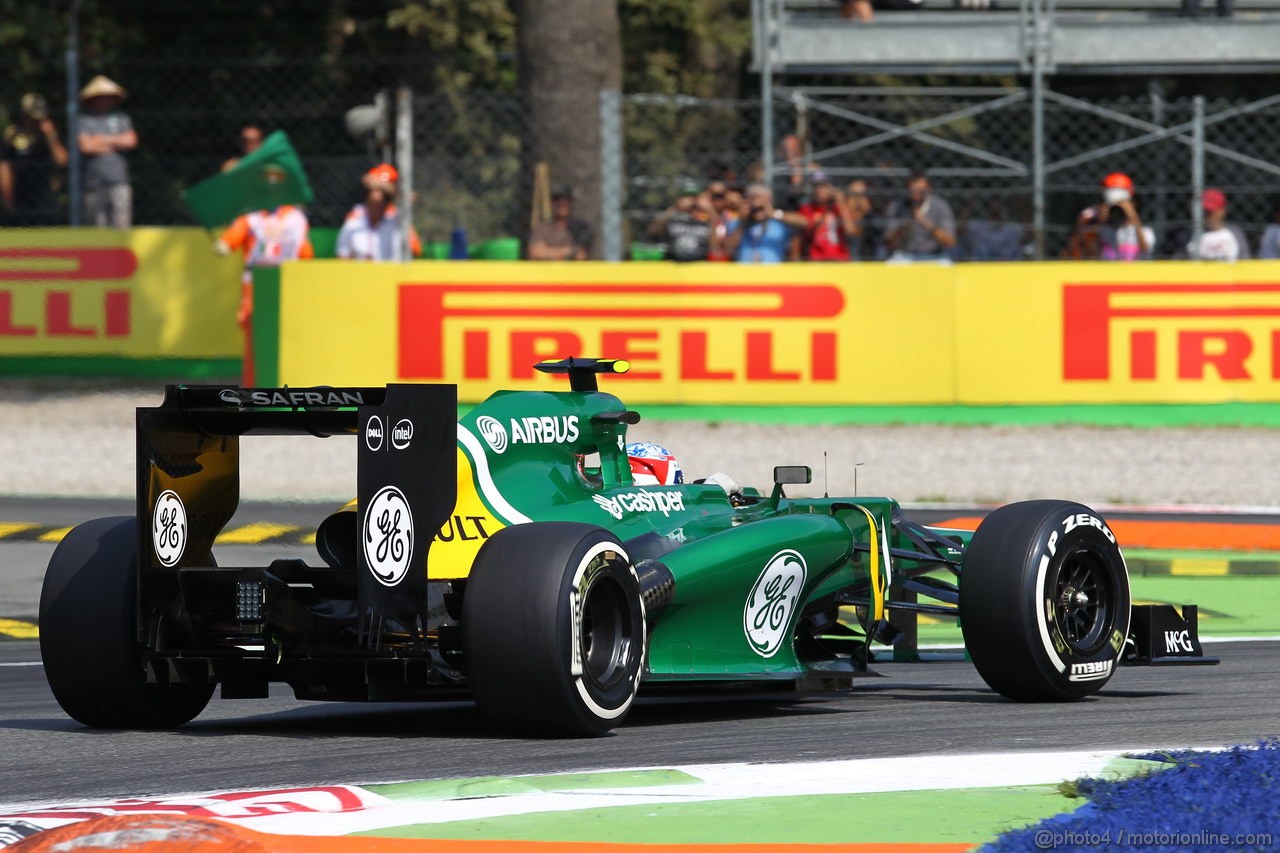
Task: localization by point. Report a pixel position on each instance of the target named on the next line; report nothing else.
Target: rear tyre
(553, 629)
(88, 642)
(1044, 601)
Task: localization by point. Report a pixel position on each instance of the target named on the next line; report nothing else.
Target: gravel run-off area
(77, 439)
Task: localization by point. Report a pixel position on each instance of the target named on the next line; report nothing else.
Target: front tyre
(88, 642)
(553, 629)
(1044, 601)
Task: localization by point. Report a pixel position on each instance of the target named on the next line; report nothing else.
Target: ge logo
(494, 433)
(388, 536)
(169, 528)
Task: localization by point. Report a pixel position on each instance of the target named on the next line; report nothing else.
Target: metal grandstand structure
(1035, 40)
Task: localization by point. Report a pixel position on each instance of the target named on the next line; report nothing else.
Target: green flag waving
(267, 178)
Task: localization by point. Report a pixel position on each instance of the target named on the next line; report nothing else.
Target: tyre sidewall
(1005, 598)
(600, 703)
(1073, 529)
(522, 621)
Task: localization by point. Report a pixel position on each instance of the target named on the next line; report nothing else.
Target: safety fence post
(611, 200)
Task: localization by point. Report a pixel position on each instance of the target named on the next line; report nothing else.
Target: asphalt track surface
(912, 709)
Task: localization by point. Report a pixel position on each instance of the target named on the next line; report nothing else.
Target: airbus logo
(493, 432)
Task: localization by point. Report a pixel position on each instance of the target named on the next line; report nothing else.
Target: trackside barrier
(806, 334)
(145, 302)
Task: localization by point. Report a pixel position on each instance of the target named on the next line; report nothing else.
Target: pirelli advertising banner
(148, 302)
(704, 333)
(1167, 332)
(809, 334)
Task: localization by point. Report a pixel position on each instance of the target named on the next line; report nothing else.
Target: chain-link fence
(978, 145)
(183, 142)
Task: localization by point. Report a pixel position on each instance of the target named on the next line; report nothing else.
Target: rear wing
(188, 488)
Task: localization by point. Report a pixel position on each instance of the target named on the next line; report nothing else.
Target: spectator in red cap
(371, 231)
(1112, 230)
(1219, 241)
(383, 173)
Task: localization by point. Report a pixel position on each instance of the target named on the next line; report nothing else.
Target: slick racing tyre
(553, 629)
(88, 630)
(1044, 601)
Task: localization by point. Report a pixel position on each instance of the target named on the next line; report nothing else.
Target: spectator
(995, 238)
(685, 227)
(859, 208)
(863, 10)
(250, 141)
(563, 237)
(267, 238)
(1112, 230)
(791, 154)
(857, 10)
(828, 222)
(1269, 247)
(105, 133)
(724, 205)
(371, 231)
(1219, 241)
(30, 151)
(761, 234)
(921, 226)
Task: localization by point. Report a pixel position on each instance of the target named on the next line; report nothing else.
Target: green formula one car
(511, 556)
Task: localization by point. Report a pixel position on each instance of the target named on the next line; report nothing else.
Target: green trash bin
(325, 242)
(499, 249)
(435, 251)
(648, 252)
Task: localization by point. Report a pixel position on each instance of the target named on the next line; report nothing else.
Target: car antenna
(856, 466)
(826, 492)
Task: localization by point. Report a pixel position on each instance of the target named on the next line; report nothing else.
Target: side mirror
(792, 475)
(788, 475)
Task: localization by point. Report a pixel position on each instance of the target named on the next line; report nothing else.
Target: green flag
(267, 178)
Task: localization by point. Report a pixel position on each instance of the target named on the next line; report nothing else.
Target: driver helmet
(653, 465)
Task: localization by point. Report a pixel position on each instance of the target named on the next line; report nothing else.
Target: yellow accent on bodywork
(456, 544)
(877, 573)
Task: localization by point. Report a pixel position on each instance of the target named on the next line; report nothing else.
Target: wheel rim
(607, 633)
(1084, 601)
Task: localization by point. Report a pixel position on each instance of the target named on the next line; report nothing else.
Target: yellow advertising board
(704, 333)
(148, 300)
(1168, 332)
(809, 334)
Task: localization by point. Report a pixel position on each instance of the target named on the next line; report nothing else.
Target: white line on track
(23, 663)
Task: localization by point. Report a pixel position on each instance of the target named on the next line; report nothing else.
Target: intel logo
(402, 434)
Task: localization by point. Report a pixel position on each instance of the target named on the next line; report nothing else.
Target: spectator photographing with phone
(762, 234)
(829, 221)
(1112, 230)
